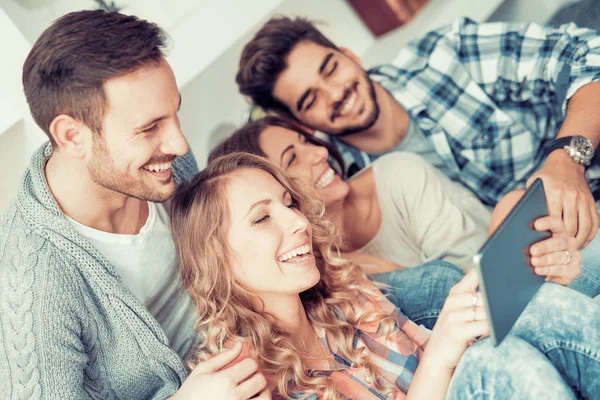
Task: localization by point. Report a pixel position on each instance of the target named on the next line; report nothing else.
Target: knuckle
(261, 380)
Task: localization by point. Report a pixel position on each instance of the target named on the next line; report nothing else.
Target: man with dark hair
(493, 106)
(90, 301)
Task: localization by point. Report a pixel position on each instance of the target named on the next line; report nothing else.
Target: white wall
(212, 98)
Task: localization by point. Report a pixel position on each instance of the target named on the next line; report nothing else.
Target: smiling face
(304, 160)
(271, 240)
(141, 135)
(327, 90)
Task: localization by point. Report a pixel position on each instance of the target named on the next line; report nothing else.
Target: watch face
(584, 147)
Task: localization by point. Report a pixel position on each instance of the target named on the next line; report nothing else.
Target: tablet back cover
(506, 276)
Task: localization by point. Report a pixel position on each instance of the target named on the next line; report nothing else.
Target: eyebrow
(155, 120)
(302, 99)
(265, 201)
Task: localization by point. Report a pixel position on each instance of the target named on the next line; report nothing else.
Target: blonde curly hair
(227, 310)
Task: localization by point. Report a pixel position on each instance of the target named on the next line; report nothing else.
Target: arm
(458, 324)
(371, 264)
(565, 185)
(556, 71)
(42, 352)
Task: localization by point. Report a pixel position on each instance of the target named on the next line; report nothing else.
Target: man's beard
(371, 119)
(103, 172)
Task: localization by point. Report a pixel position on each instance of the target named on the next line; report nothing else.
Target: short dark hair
(68, 65)
(265, 57)
(245, 139)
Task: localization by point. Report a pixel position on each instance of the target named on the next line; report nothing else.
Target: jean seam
(570, 346)
(429, 314)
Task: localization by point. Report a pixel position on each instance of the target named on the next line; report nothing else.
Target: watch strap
(559, 144)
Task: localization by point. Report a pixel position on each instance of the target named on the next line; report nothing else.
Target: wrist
(432, 365)
(561, 158)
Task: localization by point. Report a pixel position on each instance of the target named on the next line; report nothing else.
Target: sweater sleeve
(434, 210)
(42, 350)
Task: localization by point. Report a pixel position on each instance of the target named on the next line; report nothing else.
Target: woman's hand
(556, 258)
(461, 320)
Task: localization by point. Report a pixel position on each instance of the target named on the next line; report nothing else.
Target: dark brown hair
(65, 70)
(265, 57)
(246, 139)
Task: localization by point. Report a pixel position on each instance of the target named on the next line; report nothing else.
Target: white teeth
(158, 167)
(325, 179)
(348, 105)
(295, 252)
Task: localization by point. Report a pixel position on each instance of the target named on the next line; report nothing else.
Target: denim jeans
(420, 292)
(552, 352)
(588, 281)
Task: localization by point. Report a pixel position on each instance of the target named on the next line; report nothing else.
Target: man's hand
(569, 196)
(556, 258)
(212, 380)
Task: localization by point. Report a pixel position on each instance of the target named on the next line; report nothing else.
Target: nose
(316, 154)
(173, 140)
(296, 222)
(335, 92)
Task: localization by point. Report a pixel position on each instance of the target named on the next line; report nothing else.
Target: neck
(89, 203)
(352, 216)
(291, 316)
(389, 129)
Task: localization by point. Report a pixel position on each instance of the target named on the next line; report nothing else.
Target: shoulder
(400, 167)
(185, 167)
(31, 264)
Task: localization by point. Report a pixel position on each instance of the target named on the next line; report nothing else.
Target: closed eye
(335, 64)
(261, 220)
(311, 103)
(291, 161)
(293, 204)
(152, 129)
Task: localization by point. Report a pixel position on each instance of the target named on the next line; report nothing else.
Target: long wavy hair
(227, 310)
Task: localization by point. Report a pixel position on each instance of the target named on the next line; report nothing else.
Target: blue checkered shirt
(489, 98)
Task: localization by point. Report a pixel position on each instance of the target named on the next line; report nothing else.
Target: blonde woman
(260, 262)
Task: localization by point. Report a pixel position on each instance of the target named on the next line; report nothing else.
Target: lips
(295, 252)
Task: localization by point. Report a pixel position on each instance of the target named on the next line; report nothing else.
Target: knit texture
(69, 328)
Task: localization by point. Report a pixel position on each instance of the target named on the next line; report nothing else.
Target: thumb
(219, 361)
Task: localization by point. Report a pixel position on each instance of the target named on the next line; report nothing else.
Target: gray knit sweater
(69, 328)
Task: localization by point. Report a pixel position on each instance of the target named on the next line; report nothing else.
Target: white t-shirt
(424, 215)
(146, 264)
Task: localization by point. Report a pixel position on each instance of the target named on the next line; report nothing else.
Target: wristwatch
(579, 148)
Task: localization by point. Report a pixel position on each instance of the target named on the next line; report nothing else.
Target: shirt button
(354, 364)
(368, 379)
(390, 396)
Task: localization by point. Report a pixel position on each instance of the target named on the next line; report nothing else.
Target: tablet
(506, 276)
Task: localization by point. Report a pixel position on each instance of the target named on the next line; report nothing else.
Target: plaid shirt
(395, 359)
(489, 98)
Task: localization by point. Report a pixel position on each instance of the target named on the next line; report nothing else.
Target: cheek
(301, 173)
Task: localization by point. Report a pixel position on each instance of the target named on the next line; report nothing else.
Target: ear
(70, 135)
(349, 53)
